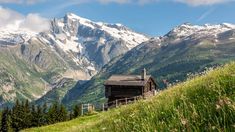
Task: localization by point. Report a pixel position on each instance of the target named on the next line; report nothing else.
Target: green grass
(205, 103)
(27, 78)
(172, 62)
(70, 126)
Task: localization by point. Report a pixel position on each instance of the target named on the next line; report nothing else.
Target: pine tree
(53, 113)
(5, 124)
(39, 116)
(27, 115)
(34, 120)
(16, 116)
(70, 115)
(76, 111)
(62, 113)
(44, 117)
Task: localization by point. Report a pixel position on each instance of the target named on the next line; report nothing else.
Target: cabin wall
(150, 86)
(119, 92)
(115, 92)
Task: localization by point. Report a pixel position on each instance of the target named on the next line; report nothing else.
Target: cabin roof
(127, 80)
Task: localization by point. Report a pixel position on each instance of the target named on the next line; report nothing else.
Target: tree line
(25, 115)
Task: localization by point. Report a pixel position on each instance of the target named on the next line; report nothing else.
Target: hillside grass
(205, 103)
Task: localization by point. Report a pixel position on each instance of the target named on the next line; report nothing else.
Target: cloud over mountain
(203, 2)
(21, 1)
(13, 19)
(189, 2)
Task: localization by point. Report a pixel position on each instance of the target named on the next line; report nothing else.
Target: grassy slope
(29, 78)
(161, 62)
(203, 103)
(23, 76)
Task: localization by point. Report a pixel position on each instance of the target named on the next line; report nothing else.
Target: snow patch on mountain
(188, 29)
(92, 44)
(10, 36)
(115, 30)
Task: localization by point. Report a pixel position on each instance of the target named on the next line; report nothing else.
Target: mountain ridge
(163, 57)
(68, 52)
(80, 48)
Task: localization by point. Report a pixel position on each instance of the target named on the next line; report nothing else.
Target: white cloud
(20, 1)
(115, 1)
(127, 1)
(10, 1)
(35, 23)
(203, 2)
(189, 2)
(141, 2)
(73, 2)
(146, 1)
(33, 1)
(14, 20)
(8, 17)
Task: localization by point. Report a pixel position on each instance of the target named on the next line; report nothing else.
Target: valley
(69, 62)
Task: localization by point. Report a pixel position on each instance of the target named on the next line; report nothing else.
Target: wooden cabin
(119, 87)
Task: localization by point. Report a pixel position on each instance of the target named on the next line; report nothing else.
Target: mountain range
(69, 62)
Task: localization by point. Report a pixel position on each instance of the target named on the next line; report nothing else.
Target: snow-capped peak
(188, 29)
(117, 31)
(74, 16)
(91, 44)
(228, 25)
(12, 34)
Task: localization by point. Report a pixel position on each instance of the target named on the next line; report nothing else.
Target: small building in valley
(120, 87)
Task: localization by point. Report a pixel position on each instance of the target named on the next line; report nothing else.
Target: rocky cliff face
(91, 44)
(48, 64)
(30, 70)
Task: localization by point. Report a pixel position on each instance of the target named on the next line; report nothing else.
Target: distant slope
(184, 50)
(28, 71)
(205, 103)
(46, 65)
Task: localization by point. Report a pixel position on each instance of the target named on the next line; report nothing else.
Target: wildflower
(220, 103)
(184, 121)
(213, 127)
(227, 101)
(132, 115)
(218, 107)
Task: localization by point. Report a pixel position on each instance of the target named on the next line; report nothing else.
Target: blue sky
(151, 17)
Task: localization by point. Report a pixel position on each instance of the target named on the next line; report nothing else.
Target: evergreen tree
(16, 116)
(39, 116)
(21, 115)
(26, 115)
(53, 113)
(5, 124)
(62, 113)
(76, 111)
(44, 117)
(34, 120)
(70, 115)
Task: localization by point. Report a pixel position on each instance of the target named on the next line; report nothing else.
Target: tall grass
(205, 103)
